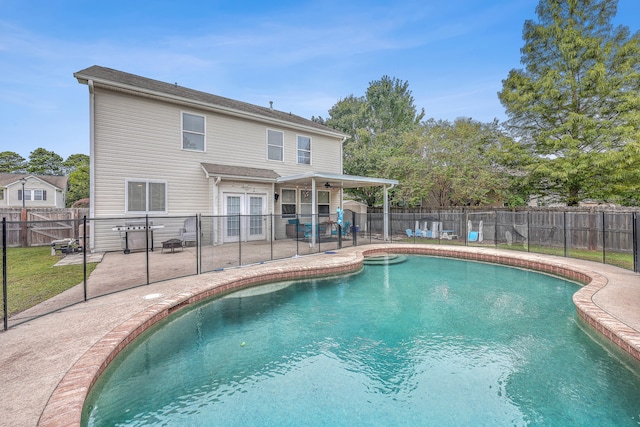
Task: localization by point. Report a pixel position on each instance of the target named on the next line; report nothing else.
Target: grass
(619, 259)
(32, 277)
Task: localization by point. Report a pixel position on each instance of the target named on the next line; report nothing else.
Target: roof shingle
(103, 74)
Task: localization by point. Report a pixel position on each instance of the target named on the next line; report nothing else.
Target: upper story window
(192, 132)
(146, 196)
(275, 145)
(304, 150)
(1, 193)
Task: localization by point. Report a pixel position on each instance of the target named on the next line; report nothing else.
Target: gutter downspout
(386, 210)
(92, 163)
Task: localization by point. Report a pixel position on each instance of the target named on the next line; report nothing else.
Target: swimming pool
(429, 341)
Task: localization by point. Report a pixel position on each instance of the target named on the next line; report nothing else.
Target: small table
(172, 244)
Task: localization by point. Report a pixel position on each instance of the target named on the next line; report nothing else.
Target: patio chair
(409, 232)
(188, 232)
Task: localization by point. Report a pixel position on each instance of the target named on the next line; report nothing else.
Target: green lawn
(619, 259)
(32, 277)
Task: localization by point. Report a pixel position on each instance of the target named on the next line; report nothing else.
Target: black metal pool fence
(151, 249)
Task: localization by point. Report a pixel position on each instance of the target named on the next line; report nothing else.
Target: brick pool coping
(66, 402)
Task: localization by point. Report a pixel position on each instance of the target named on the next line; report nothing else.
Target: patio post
(386, 213)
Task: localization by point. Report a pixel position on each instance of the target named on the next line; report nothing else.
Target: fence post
(23, 228)
(146, 229)
(198, 243)
(564, 232)
(239, 240)
(5, 315)
(495, 228)
(84, 255)
(528, 231)
(271, 233)
(604, 241)
(466, 228)
(297, 234)
(635, 229)
(354, 234)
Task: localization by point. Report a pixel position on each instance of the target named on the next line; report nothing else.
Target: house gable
(164, 150)
(139, 133)
(42, 191)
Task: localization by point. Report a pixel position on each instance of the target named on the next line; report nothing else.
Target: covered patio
(330, 181)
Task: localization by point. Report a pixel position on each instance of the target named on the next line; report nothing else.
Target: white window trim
(328, 203)
(182, 131)
(147, 182)
(267, 145)
(310, 150)
(295, 203)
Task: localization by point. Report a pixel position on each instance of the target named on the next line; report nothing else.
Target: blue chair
(409, 232)
(346, 227)
(320, 231)
(473, 236)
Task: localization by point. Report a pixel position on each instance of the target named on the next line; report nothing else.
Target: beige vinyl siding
(140, 138)
(136, 138)
(236, 141)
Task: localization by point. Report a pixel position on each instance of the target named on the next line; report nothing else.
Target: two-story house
(32, 191)
(163, 149)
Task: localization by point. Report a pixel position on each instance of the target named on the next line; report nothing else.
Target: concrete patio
(38, 354)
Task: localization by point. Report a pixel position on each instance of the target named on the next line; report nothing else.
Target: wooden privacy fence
(591, 229)
(39, 226)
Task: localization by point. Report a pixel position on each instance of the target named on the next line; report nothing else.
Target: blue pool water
(429, 341)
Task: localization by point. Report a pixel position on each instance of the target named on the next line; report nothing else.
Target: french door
(245, 217)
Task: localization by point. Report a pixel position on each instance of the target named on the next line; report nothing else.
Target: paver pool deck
(47, 364)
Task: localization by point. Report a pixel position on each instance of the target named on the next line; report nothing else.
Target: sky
(303, 55)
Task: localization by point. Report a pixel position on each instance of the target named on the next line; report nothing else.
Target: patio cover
(239, 173)
(332, 180)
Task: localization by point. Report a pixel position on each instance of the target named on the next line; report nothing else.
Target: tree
(78, 184)
(374, 123)
(12, 162)
(452, 164)
(77, 167)
(45, 162)
(574, 107)
(74, 161)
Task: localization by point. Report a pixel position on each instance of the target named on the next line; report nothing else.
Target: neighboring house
(160, 149)
(40, 191)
